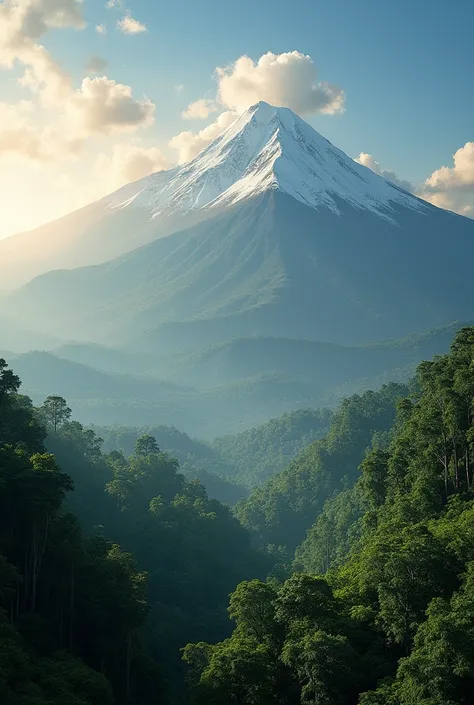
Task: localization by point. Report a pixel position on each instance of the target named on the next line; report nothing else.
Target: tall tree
(55, 412)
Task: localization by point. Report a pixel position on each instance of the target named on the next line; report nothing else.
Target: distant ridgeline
(352, 569)
(220, 390)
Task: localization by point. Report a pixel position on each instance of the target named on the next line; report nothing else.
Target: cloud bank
(98, 106)
(103, 106)
(128, 163)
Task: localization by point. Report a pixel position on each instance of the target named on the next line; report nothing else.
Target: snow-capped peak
(265, 148)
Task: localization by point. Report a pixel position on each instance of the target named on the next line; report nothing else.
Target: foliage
(286, 506)
(71, 608)
(85, 624)
(391, 621)
(261, 452)
(197, 459)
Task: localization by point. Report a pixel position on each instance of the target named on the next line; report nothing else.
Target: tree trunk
(456, 468)
(34, 567)
(129, 659)
(446, 476)
(466, 462)
(71, 607)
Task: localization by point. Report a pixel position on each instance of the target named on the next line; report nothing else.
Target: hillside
(260, 452)
(280, 511)
(324, 365)
(197, 459)
(93, 620)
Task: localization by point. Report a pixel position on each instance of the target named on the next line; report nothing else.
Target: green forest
(324, 557)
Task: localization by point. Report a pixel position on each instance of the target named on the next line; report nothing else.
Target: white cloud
(289, 80)
(369, 161)
(22, 137)
(179, 88)
(101, 29)
(189, 144)
(200, 109)
(103, 106)
(110, 4)
(129, 25)
(128, 163)
(96, 64)
(453, 187)
(99, 106)
(22, 24)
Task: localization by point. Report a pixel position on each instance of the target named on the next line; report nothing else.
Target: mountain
(266, 148)
(290, 238)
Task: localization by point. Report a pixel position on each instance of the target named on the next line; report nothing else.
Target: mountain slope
(269, 266)
(256, 454)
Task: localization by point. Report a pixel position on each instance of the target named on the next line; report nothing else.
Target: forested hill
(282, 510)
(392, 620)
(260, 452)
(230, 465)
(95, 604)
(197, 459)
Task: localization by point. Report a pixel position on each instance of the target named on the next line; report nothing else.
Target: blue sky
(406, 69)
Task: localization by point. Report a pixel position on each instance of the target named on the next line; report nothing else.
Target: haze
(236, 353)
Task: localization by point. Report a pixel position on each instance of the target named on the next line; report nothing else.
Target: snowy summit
(265, 148)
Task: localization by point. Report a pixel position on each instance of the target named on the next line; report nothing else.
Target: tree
(9, 382)
(374, 480)
(55, 412)
(253, 610)
(239, 672)
(325, 665)
(146, 445)
(440, 669)
(304, 597)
